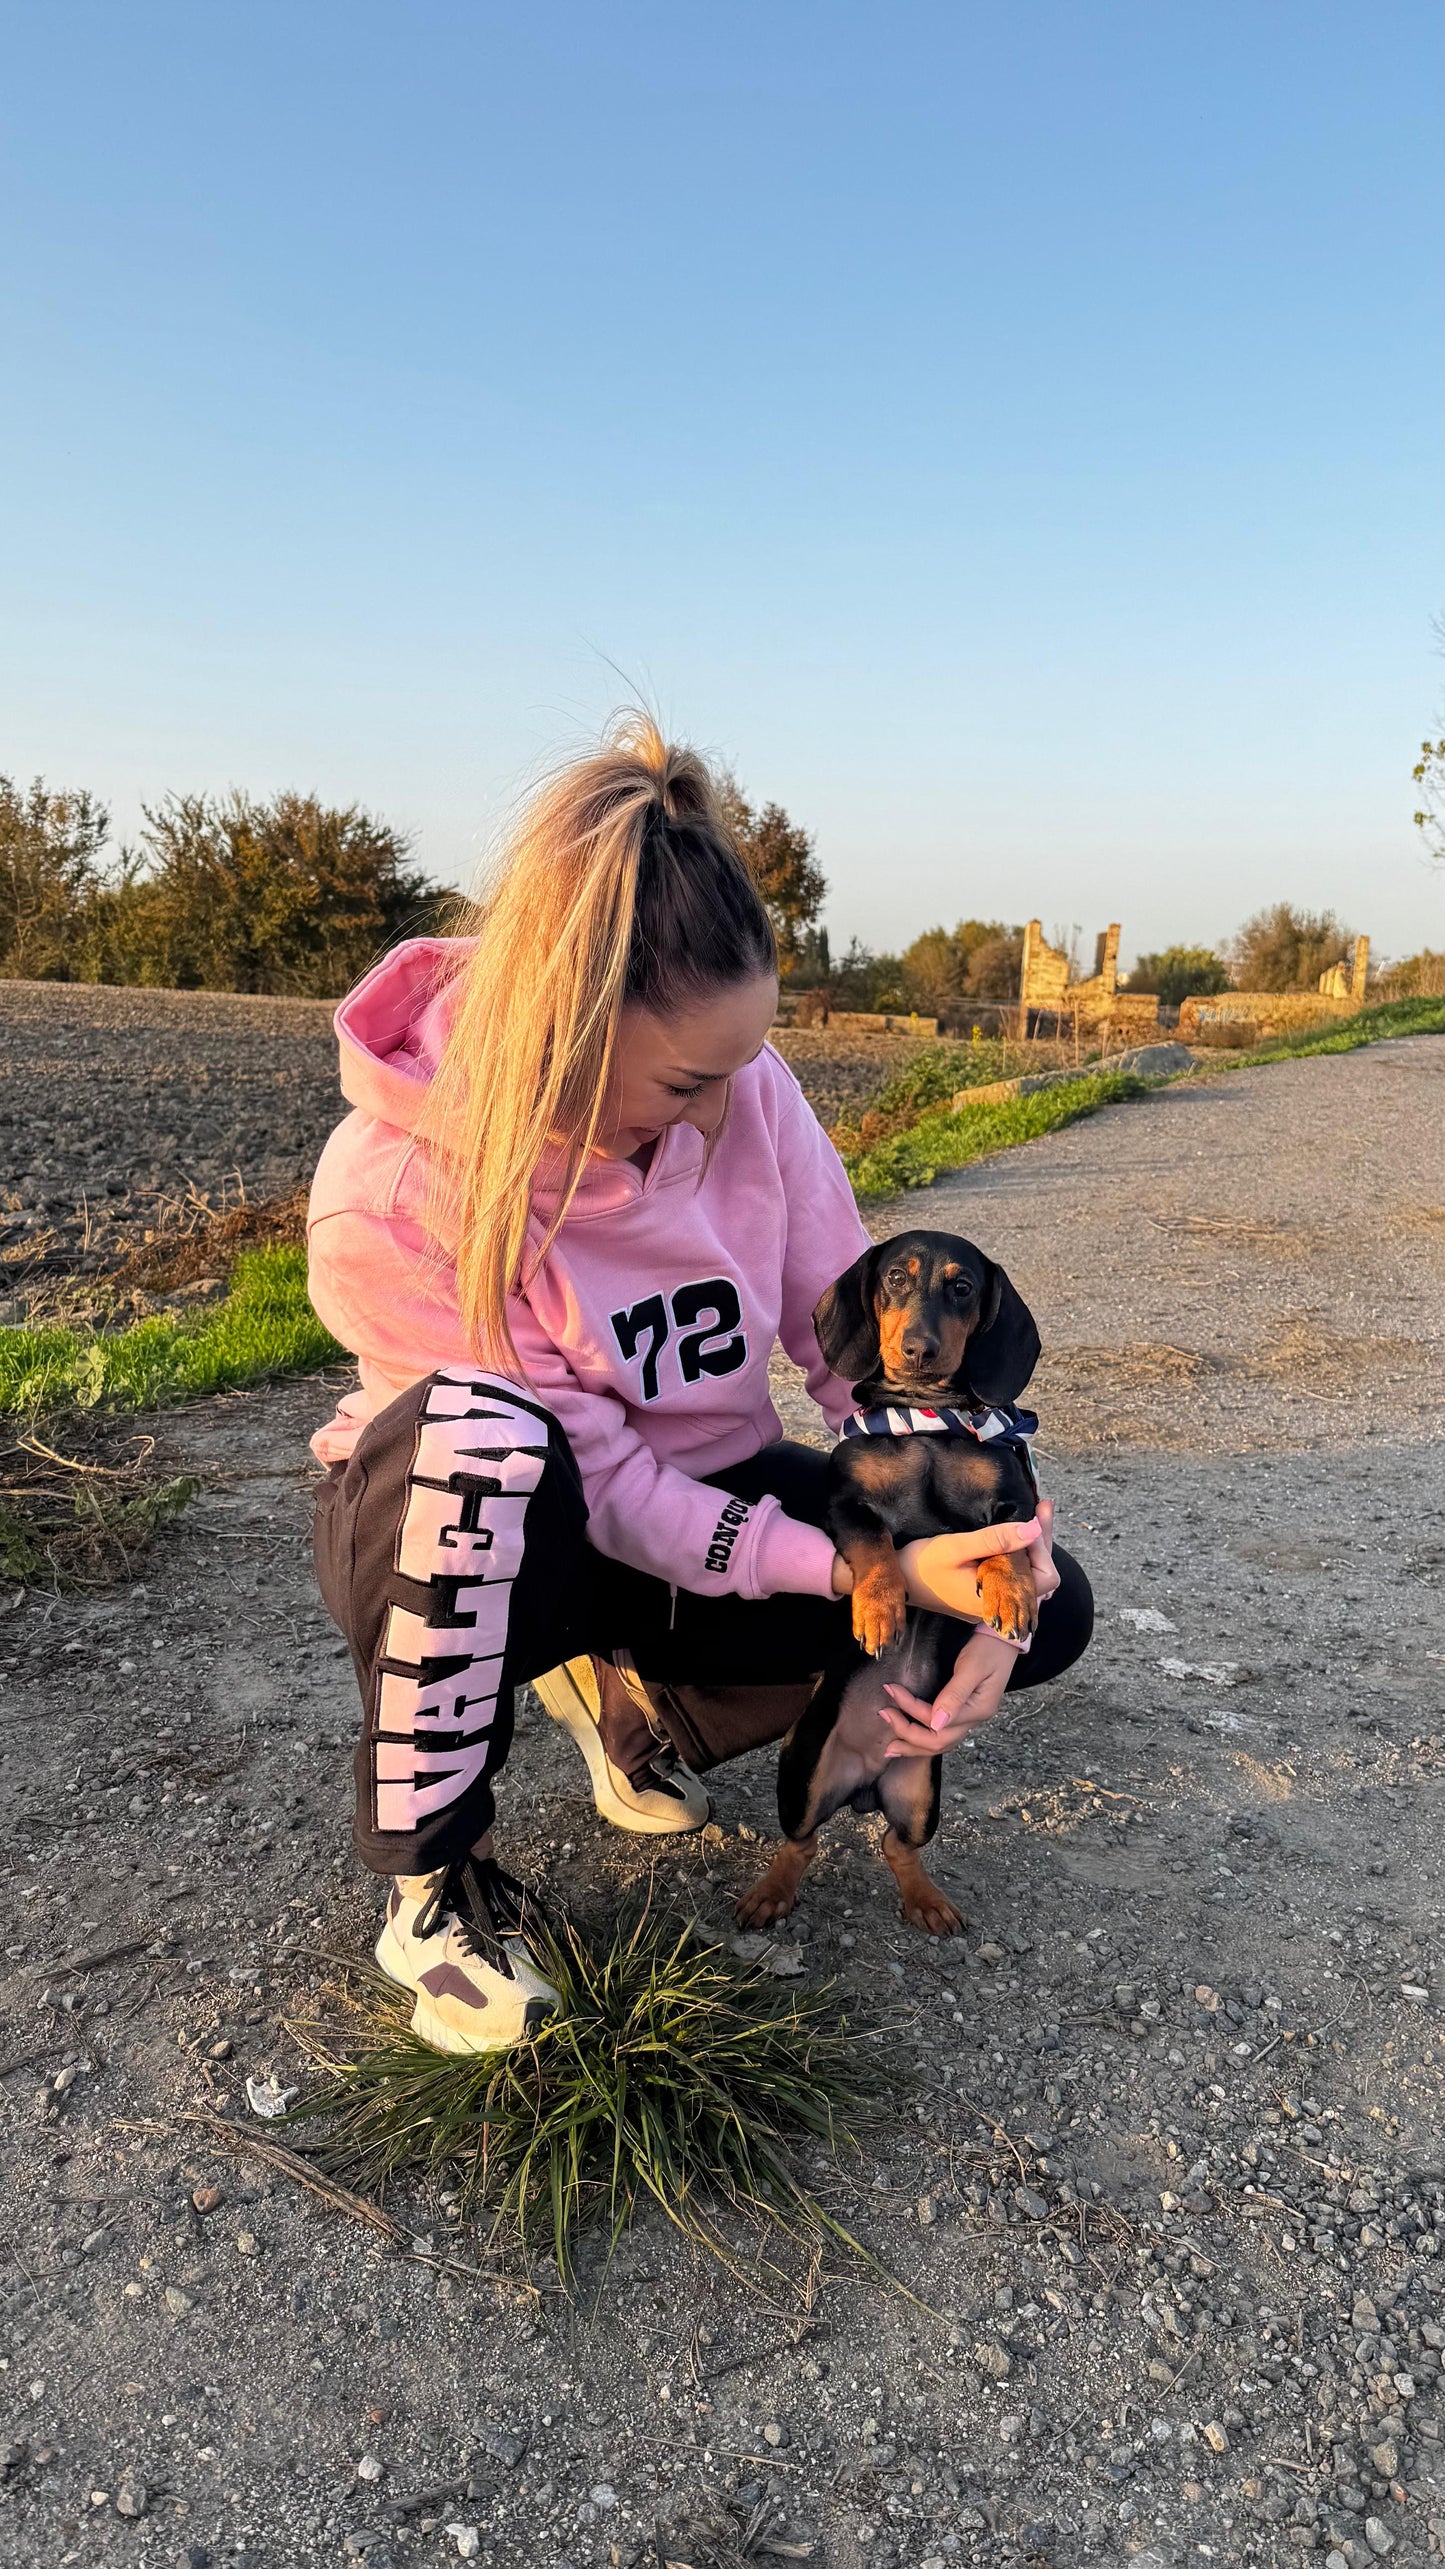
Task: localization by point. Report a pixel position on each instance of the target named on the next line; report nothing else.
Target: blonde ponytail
(621, 886)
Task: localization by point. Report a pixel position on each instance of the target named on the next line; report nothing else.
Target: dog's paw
(768, 1901)
(880, 1608)
(925, 1906)
(929, 1907)
(1010, 1601)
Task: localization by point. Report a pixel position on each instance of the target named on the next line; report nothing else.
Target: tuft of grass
(264, 1327)
(670, 2075)
(83, 1519)
(1347, 1034)
(944, 1140)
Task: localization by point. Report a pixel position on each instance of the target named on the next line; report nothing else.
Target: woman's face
(675, 1070)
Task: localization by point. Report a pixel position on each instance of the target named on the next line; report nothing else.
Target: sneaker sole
(434, 2029)
(558, 1695)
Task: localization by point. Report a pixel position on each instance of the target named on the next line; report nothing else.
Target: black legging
(451, 1550)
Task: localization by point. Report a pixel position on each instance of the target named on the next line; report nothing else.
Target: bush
(224, 893)
(50, 873)
(1418, 976)
(1283, 948)
(1179, 973)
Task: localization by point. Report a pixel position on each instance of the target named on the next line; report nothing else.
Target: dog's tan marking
(880, 1598)
(1010, 1600)
(924, 1905)
(776, 1895)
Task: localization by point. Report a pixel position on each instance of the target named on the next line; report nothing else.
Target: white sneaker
(458, 1938)
(656, 1795)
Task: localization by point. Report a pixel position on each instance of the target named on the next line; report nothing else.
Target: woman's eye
(686, 1092)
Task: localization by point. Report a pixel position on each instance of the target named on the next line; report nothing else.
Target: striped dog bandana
(990, 1426)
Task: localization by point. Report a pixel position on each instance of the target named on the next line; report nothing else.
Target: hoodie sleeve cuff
(792, 1557)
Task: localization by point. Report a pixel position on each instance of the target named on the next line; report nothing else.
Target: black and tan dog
(937, 1345)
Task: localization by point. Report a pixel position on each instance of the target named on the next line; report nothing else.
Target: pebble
(1215, 2436)
(206, 2197)
(775, 2433)
(467, 2539)
(247, 2243)
(1379, 2538)
(603, 2494)
(178, 2302)
(501, 2443)
(370, 2467)
(132, 2497)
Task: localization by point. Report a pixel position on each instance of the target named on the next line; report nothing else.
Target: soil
(1165, 2172)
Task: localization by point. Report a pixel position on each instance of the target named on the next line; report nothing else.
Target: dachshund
(937, 1344)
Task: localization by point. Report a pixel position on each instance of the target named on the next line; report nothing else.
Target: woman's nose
(709, 1111)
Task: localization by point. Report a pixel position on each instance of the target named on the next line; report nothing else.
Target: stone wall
(1095, 1006)
(1341, 993)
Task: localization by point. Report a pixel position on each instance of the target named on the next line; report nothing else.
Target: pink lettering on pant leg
(463, 1703)
(424, 1785)
(478, 1459)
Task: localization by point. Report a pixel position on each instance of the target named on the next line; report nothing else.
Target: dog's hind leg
(908, 1789)
(814, 1780)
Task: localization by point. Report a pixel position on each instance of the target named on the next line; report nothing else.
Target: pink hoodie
(649, 1327)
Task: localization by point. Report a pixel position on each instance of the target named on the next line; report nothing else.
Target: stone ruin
(1049, 1000)
(1341, 993)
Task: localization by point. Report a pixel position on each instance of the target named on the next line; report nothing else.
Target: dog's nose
(918, 1347)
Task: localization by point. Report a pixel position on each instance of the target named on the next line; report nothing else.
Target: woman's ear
(1004, 1349)
(845, 1321)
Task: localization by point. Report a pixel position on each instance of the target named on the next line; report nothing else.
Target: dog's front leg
(777, 1894)
(880, 1598)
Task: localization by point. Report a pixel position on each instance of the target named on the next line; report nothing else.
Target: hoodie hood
(392, 1027)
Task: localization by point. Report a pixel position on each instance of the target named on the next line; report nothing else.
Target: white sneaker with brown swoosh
(458, 1938)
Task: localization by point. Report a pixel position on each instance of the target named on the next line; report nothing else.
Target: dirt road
(1167, 2164)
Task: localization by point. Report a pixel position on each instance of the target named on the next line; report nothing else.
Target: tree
(50, 871)
(1283, 948)
(779, 856)
(941, 968)
(867, 981)
(1178, 973)
(995, 966)
(813, 969)
(1429, 777)
(291, 895)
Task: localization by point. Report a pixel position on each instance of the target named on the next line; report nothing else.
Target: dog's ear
(845, 1321)
(1004, 1348)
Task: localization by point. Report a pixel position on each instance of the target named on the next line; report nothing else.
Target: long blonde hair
(621, 886)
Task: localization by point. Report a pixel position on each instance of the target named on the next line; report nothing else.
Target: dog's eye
(962, 1288)
(897, 1281)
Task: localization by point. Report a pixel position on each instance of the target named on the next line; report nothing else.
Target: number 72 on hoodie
(719, 1347)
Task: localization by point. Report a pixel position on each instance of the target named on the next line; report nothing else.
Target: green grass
(944, 1140)
(941, 1071)
(264, 1327)
(1371, 1026)
(670, 2076)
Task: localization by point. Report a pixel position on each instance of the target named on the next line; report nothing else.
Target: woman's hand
(939, 1569)
(972, 1696)
(1041, 1553)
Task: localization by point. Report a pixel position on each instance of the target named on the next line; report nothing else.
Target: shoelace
(487, 1905)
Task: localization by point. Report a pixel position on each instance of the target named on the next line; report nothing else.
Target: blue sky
(1007, 435)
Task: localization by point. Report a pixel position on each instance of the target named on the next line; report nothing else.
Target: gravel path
(1167, 2172)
